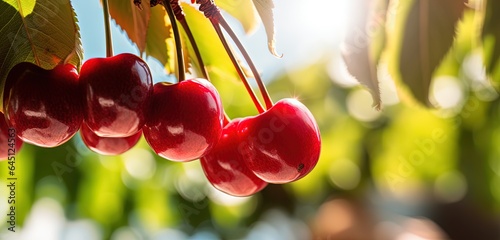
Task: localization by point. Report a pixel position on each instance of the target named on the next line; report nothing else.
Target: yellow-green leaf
(491, 39)
(423, 35)
(243, 10)
(45, 33)
(265, 10)
(212, 51)
(24, 8)
(158, 33)
(148, 28)
(132, 20)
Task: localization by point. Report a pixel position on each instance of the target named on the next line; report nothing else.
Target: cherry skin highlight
(44, 106)
(118, 90)
(8, 140)
(225, 167)
(282, 144)
(185, 119)
(108, 145)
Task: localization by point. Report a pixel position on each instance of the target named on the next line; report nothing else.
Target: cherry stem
(226, 119)
(181, 68)
(107, 29)
(195, 48)
(237, 66)
(248, 59)
(212, 12)
(179, 15)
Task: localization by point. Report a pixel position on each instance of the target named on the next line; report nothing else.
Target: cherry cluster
(112, 102)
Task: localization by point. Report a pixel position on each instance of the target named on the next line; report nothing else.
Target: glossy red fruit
(282, 144)
(108, 145)
(225, 167)
(185, 120)
(9, 142)
(118, 90)
(44, 106)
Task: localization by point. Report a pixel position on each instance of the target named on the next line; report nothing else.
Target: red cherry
(5, 136)
(44, 106)
(225, 167)
(185, 119)
(282, 144)
(118, 90)
(108, 145)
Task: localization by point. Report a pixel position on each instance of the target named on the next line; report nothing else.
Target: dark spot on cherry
(301, 166)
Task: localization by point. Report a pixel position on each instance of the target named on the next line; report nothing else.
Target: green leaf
(363, 44)
(159, 30)
(215, 58)
(45, 33)
(466, 36)
(25, 8)
(148, 28)
(491, 39)
(265, 10)
(424, 33)
(243, 10)
(132, 20)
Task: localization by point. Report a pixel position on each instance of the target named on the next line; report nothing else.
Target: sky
(305, 31)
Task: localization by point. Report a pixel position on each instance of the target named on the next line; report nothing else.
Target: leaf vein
(28, 35)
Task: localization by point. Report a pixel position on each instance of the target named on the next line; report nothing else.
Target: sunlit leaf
(243, 11)
(149, 28)
(359, 52)
(187, 55)
(159, 30)
(185, 50)
(465, 40)
(265, 10)
(132, 20)
(423, 35)
(45, 33)
(491, 39)
(212, 51)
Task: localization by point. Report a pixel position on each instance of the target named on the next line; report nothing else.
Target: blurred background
(405, 172)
